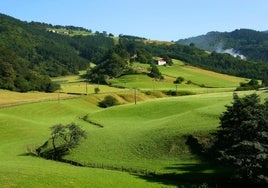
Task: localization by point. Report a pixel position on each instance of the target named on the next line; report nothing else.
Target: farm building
(160, 61)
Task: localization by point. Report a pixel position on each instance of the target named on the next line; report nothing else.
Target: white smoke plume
(231, 51)
(234, 53)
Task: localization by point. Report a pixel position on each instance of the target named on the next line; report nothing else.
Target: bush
(251, 85)
(179, 80)
(178, 93)
(96, 90)
(108, 101)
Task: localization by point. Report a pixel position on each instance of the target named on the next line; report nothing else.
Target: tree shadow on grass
(191, 175)
(26, 154)
(203, 174)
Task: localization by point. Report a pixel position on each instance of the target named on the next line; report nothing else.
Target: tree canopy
(63, 139)
(242, 138)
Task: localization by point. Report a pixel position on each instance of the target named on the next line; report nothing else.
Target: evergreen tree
(155, 73)
(242, 138)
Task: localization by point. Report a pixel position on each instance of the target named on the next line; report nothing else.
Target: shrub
(108, 101)
(179, 80)
(96, 90)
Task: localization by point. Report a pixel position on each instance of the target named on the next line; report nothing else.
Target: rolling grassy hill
(200, 80)
(148, 136)
(22, 126)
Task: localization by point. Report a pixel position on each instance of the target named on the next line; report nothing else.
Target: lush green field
(201, 81)
(148, 136)
(76, 85)
(28, 125)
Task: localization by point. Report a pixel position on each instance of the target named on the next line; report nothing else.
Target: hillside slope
(33, 52)
(30, 52)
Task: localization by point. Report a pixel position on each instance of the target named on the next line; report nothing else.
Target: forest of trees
(30, 55)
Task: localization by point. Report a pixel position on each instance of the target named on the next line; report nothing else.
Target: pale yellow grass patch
(8, 98)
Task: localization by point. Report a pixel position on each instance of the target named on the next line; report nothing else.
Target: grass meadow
(142, 145)
(146, 136)
(26, 126)
(196, 79)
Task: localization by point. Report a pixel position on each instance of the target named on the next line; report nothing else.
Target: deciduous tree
(63, 139)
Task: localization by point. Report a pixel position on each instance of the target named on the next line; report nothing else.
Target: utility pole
(86, 89)
(59, 96)
(135, 95)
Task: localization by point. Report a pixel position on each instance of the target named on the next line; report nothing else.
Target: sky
(167, 20)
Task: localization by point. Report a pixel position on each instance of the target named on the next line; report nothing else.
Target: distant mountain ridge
(244, 43)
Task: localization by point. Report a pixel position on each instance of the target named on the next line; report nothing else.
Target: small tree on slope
(63, 139)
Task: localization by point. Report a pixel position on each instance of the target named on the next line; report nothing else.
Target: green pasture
(76, 85)
(197, 80)
(26, 126)
(70, 32)
(201, 77)
(150, 135)
(147, 136)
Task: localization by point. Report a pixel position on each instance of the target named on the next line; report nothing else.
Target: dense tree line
(15, 75)
(114, 64)
(37, 54)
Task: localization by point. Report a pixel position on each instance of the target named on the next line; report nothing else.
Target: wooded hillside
(33, 52)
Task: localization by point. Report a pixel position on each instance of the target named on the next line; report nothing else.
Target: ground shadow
(191, 175)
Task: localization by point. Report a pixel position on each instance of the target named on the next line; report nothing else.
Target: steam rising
(234, 53)
(231, 51)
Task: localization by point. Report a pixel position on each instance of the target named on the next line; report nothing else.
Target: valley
(150, 109)
(135, 141)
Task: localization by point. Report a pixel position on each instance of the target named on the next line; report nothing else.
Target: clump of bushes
(178, 93)
(251, 85)
(108, 101)
(179, 80)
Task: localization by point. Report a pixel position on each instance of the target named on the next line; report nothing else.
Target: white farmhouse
(160, 61)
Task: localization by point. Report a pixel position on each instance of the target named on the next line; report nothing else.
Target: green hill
(143, 138)
(31, 53)
(34, 52)
(196, 79)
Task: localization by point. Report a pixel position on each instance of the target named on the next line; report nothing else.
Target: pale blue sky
(152, 19)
